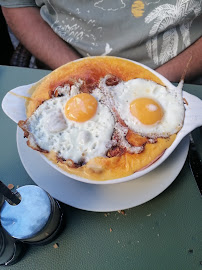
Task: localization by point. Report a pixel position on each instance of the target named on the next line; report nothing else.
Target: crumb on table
(10, 186)
(56, 245)
(121, 212)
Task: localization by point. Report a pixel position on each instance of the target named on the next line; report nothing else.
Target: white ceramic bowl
(14, 107)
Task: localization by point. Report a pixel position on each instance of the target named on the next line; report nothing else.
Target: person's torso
(150, 32)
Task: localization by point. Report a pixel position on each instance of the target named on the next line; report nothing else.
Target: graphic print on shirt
(115, 5)
(162, 17)
(71, 29)
(137, 8)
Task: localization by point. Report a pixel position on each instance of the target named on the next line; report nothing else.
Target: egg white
(170, 100)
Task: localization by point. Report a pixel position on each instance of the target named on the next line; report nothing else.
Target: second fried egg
(148, 108)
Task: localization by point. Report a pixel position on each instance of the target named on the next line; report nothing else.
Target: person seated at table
(159, 34)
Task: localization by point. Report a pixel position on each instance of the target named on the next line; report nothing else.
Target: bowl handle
(193, 118)
(13, 103)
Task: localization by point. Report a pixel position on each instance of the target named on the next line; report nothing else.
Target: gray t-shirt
(150, 32)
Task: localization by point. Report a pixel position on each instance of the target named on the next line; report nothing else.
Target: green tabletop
(164, 233)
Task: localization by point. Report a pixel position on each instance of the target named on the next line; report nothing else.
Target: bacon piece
(53, 93)
(88, 86)
(118, 117)
(62, 83)
(135, 139)
(119, 141)
(112, 80)
(116, 151)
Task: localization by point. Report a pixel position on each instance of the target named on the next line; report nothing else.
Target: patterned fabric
(21, 57)
(150, 32)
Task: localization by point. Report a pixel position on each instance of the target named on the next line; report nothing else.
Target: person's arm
(174, 68)
(38, 37)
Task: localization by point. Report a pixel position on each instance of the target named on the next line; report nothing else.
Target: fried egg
(148, 108)
(74, 125)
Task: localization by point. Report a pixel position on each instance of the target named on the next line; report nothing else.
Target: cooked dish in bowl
(103, 118)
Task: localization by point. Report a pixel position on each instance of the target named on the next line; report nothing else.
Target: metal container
(37, 219)
(52, 227)
(10, 249)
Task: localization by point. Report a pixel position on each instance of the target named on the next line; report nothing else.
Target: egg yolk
(81, 107)
(146, 110)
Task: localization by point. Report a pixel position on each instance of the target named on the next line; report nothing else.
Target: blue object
(29, 217)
